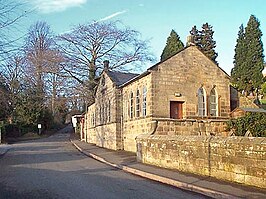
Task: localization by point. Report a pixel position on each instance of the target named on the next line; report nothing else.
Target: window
(109, 111)
(137, 104)
(100, 114)
(125, 107)
(128, 106)
(94, 119)
(213, 102)
(131, 104)
(144, 102)
(103, 80)
(105, 113)
(201, 102)
(96, 116)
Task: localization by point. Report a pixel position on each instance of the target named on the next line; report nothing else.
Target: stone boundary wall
(131, 129)
(236, 159)
(191, 127)
(104, 136)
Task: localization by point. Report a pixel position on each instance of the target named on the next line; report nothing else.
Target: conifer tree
(253, 64)
(248, 60)
(195, 35)
(237, 73)
(207, 44)
(173, 45)
(204, 40)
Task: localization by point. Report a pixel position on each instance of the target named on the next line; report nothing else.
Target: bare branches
(88, 45)
(10, 13)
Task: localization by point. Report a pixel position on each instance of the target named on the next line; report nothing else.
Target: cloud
(113, 15)
(141, 5)
(48, 6)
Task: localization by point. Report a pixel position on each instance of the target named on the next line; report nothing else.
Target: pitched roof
(156, 65)
(120, 78)
(191, 46)
(252, 110)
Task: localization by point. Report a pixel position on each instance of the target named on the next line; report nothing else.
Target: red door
(176, 110)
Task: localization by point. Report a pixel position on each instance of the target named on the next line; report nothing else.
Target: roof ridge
(123, 72)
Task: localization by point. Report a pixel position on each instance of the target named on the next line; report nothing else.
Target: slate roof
(253, 110)
(120, 78)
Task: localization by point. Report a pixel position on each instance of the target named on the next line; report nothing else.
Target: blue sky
(154, 19)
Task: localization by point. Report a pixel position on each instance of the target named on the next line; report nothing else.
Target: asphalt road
(53, 168)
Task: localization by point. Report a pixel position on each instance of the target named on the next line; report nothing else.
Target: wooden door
(176, 110)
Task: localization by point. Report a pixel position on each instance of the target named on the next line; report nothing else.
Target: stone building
(187, 94)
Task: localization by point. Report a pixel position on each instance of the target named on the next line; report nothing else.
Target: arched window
(144, 101)
(137, 104)
(103, 80)
(213, 102)
(105, 113)
(125, 111)
(202, 102)
(100, 113)
(109, 111)
(131, 104)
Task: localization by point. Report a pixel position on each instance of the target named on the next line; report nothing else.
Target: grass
(29, 136)
(263, 101)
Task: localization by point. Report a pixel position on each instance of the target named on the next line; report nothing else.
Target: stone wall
(134, 128)
(191, 127)
(185, 73)
(103, 118)
(136, 125)
(236, 159)
(105, 136)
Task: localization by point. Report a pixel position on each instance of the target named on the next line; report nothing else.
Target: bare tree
(11, 12)
(87, 46)
(38, 44)
(43, 63)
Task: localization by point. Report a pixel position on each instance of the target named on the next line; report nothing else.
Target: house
(187, 94)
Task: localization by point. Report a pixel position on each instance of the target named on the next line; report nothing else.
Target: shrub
(255, 123)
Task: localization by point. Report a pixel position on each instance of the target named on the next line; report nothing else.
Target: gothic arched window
(137, 103)
(202, 102)
(213, 102)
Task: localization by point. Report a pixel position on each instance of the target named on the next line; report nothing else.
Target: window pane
(201, 102)
(144, 101)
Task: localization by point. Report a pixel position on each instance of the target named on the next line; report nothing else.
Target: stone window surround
(137, 103)
(109, 111)
(202, 105)
(144, 101)
(131, 104)
(213, 102)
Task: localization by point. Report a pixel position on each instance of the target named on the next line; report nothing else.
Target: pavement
(4, 148)
(200, 184)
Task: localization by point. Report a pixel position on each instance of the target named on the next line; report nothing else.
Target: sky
(155, 19)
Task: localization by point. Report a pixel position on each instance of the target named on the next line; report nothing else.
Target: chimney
(190, 40)
(106, 65)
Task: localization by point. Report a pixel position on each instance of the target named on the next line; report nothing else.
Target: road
(52, 168)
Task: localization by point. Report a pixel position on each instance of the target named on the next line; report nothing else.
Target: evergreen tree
(207, 44)
(238, 73)
(204, 40)
(253, 64)
(173, 45)
(248, 60)
(4, 99)
(195, 35)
